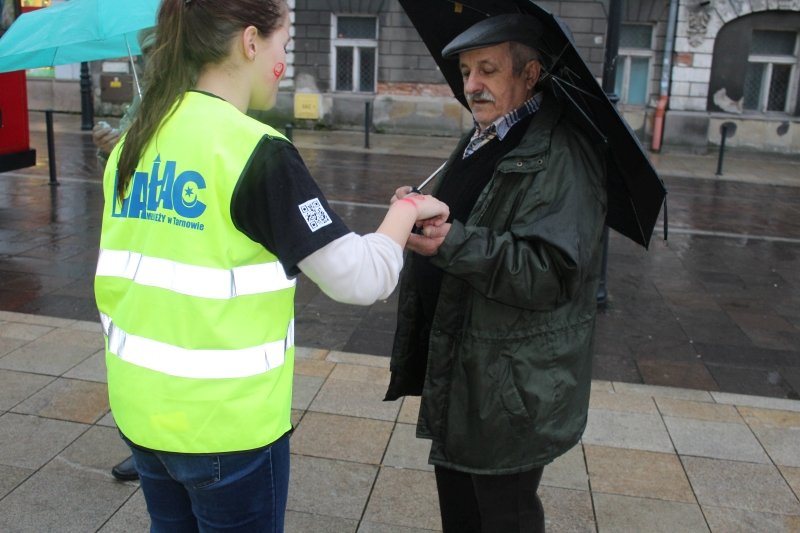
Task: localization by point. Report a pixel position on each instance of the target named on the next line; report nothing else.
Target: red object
(15, 151)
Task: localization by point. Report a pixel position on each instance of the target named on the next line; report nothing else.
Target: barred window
(771, 77)
(354, 46)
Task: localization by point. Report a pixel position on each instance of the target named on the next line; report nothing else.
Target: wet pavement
(716, 307)
(652, 459)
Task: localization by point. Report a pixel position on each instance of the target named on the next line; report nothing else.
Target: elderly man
(497, 307)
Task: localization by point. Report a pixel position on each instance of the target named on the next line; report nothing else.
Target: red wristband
(409, 200)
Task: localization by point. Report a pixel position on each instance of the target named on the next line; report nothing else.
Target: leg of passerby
(457, 502)
(125, 470)
(234, 492)
(510, 503)
(473, 503)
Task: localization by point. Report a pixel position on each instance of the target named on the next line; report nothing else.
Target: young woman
(209, 215)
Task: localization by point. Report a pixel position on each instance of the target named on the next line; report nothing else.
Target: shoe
(125, 471)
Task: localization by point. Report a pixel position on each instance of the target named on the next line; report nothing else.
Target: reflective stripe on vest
(193, 280)
(200, 364)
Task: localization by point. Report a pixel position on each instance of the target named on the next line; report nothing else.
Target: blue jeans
(242, 491)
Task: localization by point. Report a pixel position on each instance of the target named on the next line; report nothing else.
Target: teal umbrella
(76, 31)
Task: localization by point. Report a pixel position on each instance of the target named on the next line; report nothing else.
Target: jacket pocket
(510, 398)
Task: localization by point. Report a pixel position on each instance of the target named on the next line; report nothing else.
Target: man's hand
(105, 137)
(429, 242)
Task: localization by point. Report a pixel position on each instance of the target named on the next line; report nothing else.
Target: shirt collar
(503, 124)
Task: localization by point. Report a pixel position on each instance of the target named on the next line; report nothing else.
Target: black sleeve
(277, 204)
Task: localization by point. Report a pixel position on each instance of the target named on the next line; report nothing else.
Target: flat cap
(495, 30)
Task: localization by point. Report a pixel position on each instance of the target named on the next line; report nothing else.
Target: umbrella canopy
(635, 192)
(76, 31)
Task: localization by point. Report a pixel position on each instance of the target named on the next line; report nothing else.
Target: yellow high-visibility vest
(198, 318)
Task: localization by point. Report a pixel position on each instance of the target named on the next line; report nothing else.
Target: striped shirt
(500, 127)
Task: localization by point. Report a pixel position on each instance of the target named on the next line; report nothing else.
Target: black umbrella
(635, 192)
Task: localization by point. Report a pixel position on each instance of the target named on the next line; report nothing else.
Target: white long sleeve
(356, 269)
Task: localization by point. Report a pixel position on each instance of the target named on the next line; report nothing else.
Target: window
(354, 46)
(771, 76)
(632, 83)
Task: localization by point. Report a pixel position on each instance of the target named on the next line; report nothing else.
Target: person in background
(497, 306)
(209, 215)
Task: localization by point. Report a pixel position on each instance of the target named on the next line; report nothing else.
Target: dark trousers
(472, 503)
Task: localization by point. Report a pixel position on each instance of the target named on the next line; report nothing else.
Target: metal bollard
(289, 130)
(367, 121)
(51, 146)
(727, 129)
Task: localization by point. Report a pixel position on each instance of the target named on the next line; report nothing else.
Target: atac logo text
(161, 196)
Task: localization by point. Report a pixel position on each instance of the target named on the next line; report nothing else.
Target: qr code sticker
(315, 215)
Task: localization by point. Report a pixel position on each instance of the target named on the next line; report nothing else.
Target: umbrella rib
(578, 107)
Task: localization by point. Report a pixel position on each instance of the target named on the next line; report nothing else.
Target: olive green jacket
(506, 374)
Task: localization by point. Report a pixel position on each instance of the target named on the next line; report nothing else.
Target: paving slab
(782, 444)
(342, 437)
(405, 498)
(299, 522)
(638, 473)
(711, 412)
(567, 510)
(792, 477)
(8, 345)
(11, 477)
(313, 367)
(132, 516)
(68, 399)
(357, 359)
(405, 450)
(22, 331)
(409, 411)
(629, 514)
(90, 369)
(107, 420)
(726, 520)
(53, 353)
(745, 400)
(746, 486)
(373, 527)
(330, 488)
(657, 391)
(614, 401)
(365, 400)
(49, 501)
(627, 430)
(90, 455)
(16, 387)
(719, 440)
(42, 320)
(30, 441)
(770, 418)
(567, 471)
(304, 389)
(361, 373)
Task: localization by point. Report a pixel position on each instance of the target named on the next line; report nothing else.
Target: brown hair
(189, 35)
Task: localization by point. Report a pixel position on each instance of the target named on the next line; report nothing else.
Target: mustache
(483, 95)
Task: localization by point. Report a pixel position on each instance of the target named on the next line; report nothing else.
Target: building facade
(685, 69)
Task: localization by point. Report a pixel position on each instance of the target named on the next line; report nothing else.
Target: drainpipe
(666, 71)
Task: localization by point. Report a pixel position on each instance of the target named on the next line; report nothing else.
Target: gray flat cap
(495, 30)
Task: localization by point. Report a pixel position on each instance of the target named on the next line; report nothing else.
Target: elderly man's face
(490, 86)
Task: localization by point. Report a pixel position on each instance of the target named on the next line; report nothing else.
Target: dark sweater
(461, 186)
